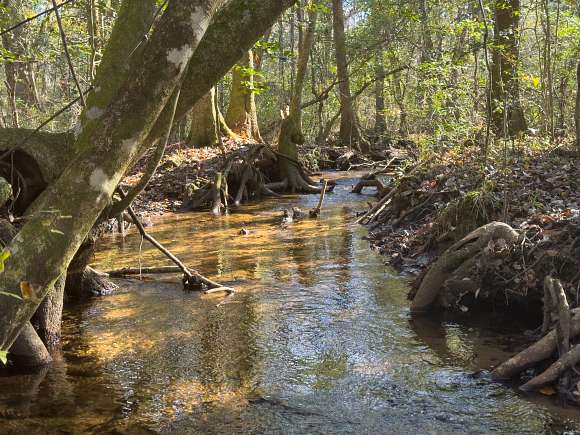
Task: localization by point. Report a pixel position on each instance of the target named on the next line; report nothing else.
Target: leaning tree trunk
(204, 122)
(349, 129)
(47, 242)
(508, 116)
(241, 116)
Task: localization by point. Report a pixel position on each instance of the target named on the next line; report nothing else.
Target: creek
(318, 339)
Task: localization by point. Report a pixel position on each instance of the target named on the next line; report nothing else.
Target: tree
(577, 110)
(204, 122)
(241, 115)
(16, 68)
(291, 128)
(505, 91)
(380, 122)
(350, 133)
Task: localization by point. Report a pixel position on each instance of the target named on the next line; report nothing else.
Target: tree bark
(505, 90)
(350, 134)
(204, 122)
(28, 349)
(126, 42)
(48, 316)
(241, 116)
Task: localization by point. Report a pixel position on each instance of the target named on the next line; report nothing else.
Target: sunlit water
(317, 339)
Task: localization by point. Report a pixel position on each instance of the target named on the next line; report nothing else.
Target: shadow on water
(318, 338)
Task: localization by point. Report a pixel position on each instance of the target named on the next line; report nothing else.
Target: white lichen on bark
(180, 56)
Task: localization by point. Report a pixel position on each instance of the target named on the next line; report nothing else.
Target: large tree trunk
(350, 134)
(204, 122)
(206, 68)
(126, 42)
(505, 91)
(241, 115)
(46, 244)
(48, 316)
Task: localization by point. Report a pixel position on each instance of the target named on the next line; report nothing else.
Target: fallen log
(130, 271)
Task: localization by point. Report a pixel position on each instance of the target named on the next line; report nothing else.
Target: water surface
(317, 339)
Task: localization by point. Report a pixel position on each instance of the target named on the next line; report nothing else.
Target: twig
(316, 211)
(67, 54)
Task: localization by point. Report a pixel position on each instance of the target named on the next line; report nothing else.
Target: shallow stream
(317, 339)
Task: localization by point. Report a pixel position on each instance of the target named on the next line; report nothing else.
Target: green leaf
(3, 357)
(4, 255)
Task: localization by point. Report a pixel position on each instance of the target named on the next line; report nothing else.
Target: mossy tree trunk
(247, 20)
(47, 242)
(204, 122)
(505, 91)
(350, 133)
(241, 116)
(291, 128)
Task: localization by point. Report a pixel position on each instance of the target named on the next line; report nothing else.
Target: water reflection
(317, 339)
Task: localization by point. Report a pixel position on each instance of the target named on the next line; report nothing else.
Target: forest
(289, 216)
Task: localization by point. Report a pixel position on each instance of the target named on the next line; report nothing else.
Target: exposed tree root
(455, 265)
(251, 172)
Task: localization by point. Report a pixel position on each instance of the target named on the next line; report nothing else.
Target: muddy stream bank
(318, 338)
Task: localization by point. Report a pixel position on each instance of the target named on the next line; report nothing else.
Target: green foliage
(4, 255)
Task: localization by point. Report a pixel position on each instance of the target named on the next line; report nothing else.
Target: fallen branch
(372, 214)
(128, 271)
(191, 278)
